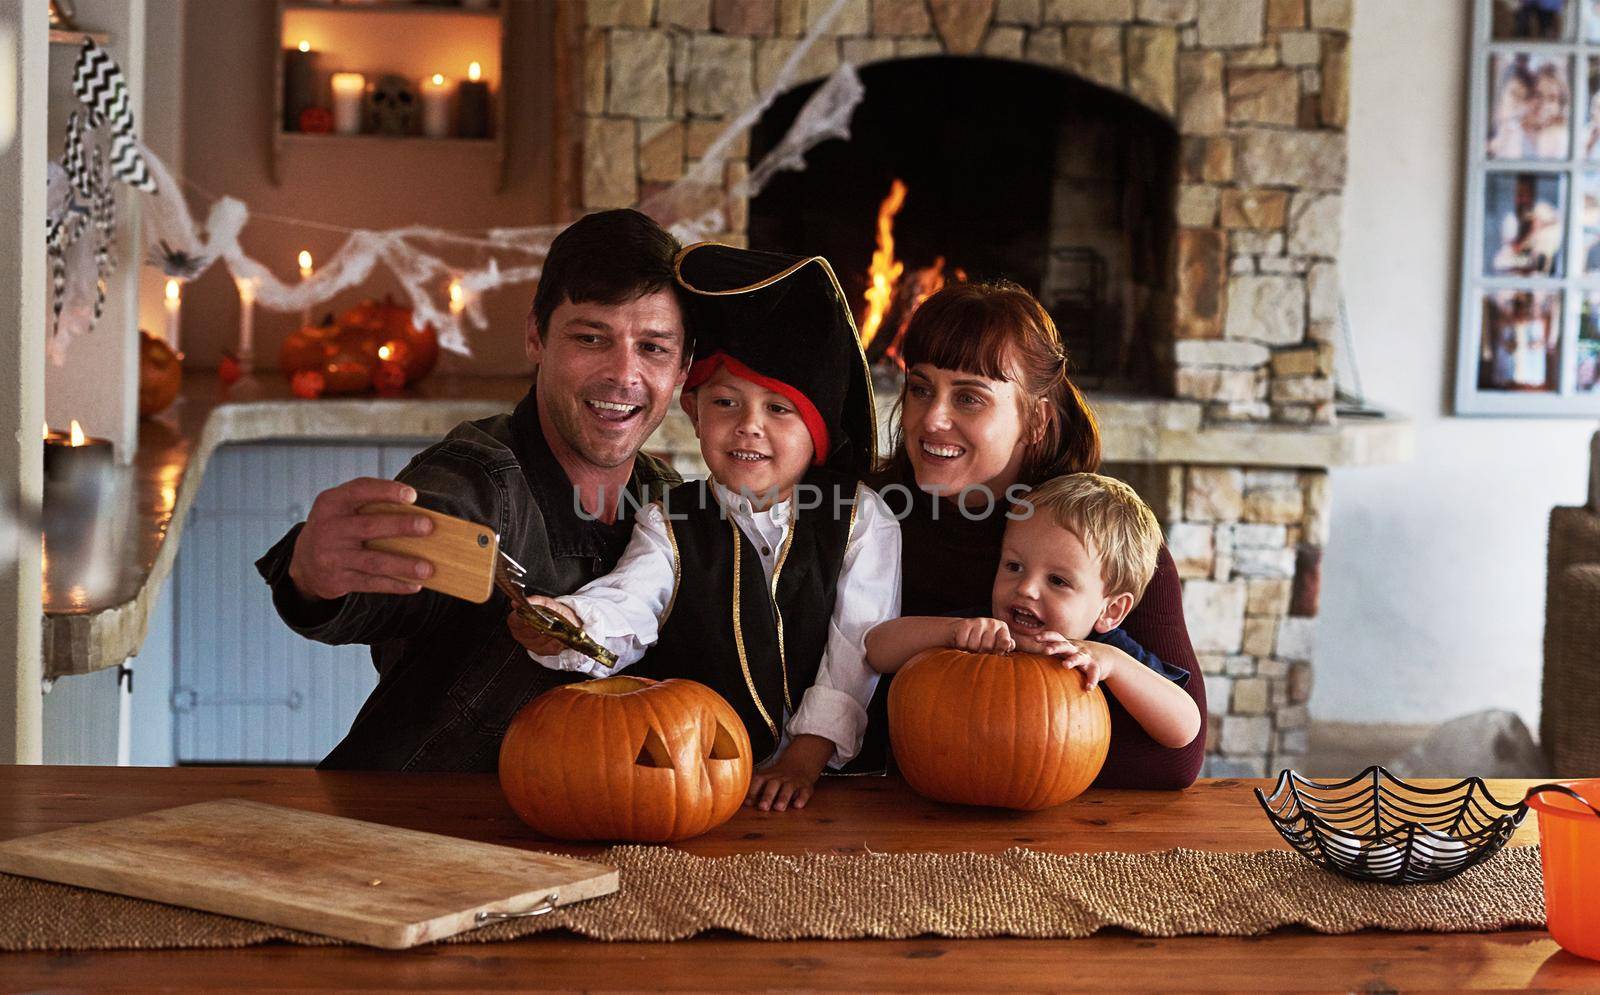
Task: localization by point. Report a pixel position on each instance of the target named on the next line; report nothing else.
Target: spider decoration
(177, 263)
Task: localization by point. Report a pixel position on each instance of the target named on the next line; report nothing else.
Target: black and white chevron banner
(100, 86)
(104, 213)
(98, 82)
(72, 157)
(128, 165)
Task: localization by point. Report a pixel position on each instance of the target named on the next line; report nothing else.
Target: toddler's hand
(1095, 667)
(532, 639)
(1046, 643)
(982, 635)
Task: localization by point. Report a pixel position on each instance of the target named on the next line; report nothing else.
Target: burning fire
(77, 433)
(888, 296)
(886, 269)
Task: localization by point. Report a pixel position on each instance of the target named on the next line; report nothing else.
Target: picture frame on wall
(1528, 337)
(1527, 20)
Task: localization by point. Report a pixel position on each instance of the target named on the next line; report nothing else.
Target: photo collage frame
(1530, 309)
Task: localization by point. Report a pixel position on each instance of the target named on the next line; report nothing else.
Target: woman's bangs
(950, 342)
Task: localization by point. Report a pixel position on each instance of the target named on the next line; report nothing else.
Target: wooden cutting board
(356, 881)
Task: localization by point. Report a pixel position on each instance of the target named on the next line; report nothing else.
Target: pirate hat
(782, 322)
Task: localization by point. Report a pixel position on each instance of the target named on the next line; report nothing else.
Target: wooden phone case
(462, 552)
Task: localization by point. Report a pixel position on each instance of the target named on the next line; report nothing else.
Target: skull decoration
(625, 758)
(392, 106)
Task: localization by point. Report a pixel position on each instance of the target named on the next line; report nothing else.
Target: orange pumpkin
(625, 758)
(1011, 731)
(307, 348)
(387, 321)
(347, 373)
(422, 344)
(160, 374)
(363, 314)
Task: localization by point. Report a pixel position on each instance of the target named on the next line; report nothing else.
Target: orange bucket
(1569, 835)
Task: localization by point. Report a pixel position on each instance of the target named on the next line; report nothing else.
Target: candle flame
(172, 290)
(458, 295)
(305, 46)
(438, 79)
(47, 430)
(77, 433)
(474, 71)
(385, 351)
(305, 260)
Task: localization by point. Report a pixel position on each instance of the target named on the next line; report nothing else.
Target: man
(557, 478)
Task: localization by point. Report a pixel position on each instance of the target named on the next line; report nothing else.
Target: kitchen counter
(97, 603)
(848, 815)
(102, 584)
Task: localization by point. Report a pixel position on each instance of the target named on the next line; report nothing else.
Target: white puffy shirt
(624, 609)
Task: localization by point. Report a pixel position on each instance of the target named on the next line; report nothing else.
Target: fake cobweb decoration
(426, 260)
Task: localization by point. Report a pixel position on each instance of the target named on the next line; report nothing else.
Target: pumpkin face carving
(1011, 731)
(625, 758)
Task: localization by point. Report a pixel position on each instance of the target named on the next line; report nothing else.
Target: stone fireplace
(1180, 217)
(1067, 190)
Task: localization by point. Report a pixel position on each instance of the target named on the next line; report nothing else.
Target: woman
(988, 410)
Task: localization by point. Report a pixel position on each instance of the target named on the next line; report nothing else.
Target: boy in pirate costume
(762, 581)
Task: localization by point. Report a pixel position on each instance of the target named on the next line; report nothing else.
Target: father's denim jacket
(450, 676)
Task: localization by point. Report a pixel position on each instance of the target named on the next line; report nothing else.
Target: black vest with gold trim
(758, 646)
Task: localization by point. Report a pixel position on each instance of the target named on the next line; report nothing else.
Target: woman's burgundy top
(948, 563)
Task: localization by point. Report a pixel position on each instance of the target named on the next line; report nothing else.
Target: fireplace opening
(1009, 170)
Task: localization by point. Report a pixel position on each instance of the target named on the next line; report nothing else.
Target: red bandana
(703, 369)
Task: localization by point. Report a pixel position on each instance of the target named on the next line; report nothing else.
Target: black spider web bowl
(1377, 827)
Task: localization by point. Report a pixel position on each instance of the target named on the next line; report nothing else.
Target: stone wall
(1257, 89)
(1248, 544)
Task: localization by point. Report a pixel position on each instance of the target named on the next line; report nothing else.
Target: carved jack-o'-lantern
(625, 758)
(1012, 731)
(307, 348)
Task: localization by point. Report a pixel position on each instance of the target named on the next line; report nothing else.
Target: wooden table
(847, 816)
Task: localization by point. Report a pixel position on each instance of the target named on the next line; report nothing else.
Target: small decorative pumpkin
(228, 369)
(307, 348)
(308, 384)
(625, 758)
(160, 374)
(1012, 731)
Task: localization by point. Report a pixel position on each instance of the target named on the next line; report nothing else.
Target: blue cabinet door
(246, 689)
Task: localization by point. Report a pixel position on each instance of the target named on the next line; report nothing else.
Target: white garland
(420, 257)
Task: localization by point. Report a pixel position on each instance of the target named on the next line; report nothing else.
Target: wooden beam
(24, 58)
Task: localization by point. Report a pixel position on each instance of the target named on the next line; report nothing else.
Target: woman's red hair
(998, 330)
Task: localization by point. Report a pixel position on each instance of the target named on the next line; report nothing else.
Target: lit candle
(347, 92)
(74, 453)
(305, 274)
(300, 66)
(436, 107)
(472, 105)
(174, 303)
(247, 331)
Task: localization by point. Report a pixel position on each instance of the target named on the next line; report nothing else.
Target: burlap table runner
(667, 895)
